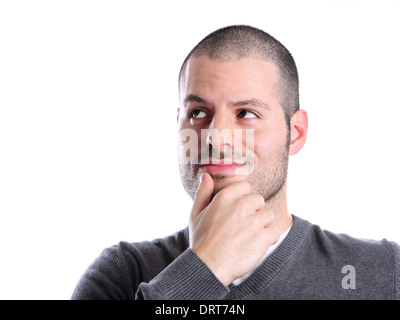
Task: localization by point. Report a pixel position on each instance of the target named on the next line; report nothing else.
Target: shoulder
(175, 243)
(161, 250)
(333, 242)
(341, 242)
(150, 257)
(375, 262)
(334, 247)
(118, 270)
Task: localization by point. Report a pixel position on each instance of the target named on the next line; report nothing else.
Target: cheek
(190, 145)
(267, 144)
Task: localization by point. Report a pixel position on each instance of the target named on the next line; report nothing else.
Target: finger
(203, 194)
(256, 201)
(275, 234)
(234, 190)
(266, 218)
(272, 235)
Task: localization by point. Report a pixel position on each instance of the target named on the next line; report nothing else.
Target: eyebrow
(193, 98)
(252, 102)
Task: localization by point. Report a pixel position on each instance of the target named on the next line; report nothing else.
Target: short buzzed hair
(241, 41)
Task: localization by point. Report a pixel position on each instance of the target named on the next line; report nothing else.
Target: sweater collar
(274, 263)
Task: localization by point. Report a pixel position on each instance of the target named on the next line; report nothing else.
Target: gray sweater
(310, 263)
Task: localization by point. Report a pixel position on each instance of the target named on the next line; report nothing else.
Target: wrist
(217, 269)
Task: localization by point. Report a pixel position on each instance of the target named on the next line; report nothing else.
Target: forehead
(247, 76)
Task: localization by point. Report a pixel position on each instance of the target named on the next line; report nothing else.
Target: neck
(278, 205)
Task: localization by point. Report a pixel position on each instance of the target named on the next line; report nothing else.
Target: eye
(246, 114)
(197, 114)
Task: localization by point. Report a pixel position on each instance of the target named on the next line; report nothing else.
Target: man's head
(238, 42)
(240, 79)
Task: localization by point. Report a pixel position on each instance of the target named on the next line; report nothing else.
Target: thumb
(203, 194)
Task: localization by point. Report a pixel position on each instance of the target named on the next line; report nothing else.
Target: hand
(232, 231)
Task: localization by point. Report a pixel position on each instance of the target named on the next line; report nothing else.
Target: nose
(220, 132)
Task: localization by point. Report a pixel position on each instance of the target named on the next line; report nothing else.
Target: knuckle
(246, 186)
(222, 196)
(261, 198)
(254, 223)
(258, 198)
(242, 205)
(269, 217)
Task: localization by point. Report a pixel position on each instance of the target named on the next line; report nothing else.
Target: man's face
(238, 97)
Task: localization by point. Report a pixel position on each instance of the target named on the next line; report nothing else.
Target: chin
(221, 181)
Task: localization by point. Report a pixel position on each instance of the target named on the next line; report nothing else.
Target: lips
(220, 168)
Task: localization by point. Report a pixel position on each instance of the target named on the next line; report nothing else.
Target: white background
(88, 98)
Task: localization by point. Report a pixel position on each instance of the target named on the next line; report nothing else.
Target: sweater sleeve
(186, 278)
(396, 252)
(103, 279)
(115, 276)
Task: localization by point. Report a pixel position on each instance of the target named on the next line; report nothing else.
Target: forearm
(186, 278)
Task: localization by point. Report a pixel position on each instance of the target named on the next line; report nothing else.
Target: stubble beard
(267, 178)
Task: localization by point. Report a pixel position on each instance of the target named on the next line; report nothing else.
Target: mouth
(220, 168)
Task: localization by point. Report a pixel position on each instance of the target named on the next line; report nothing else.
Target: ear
(299, 129)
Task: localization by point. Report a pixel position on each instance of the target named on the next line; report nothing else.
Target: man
(239, 107)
